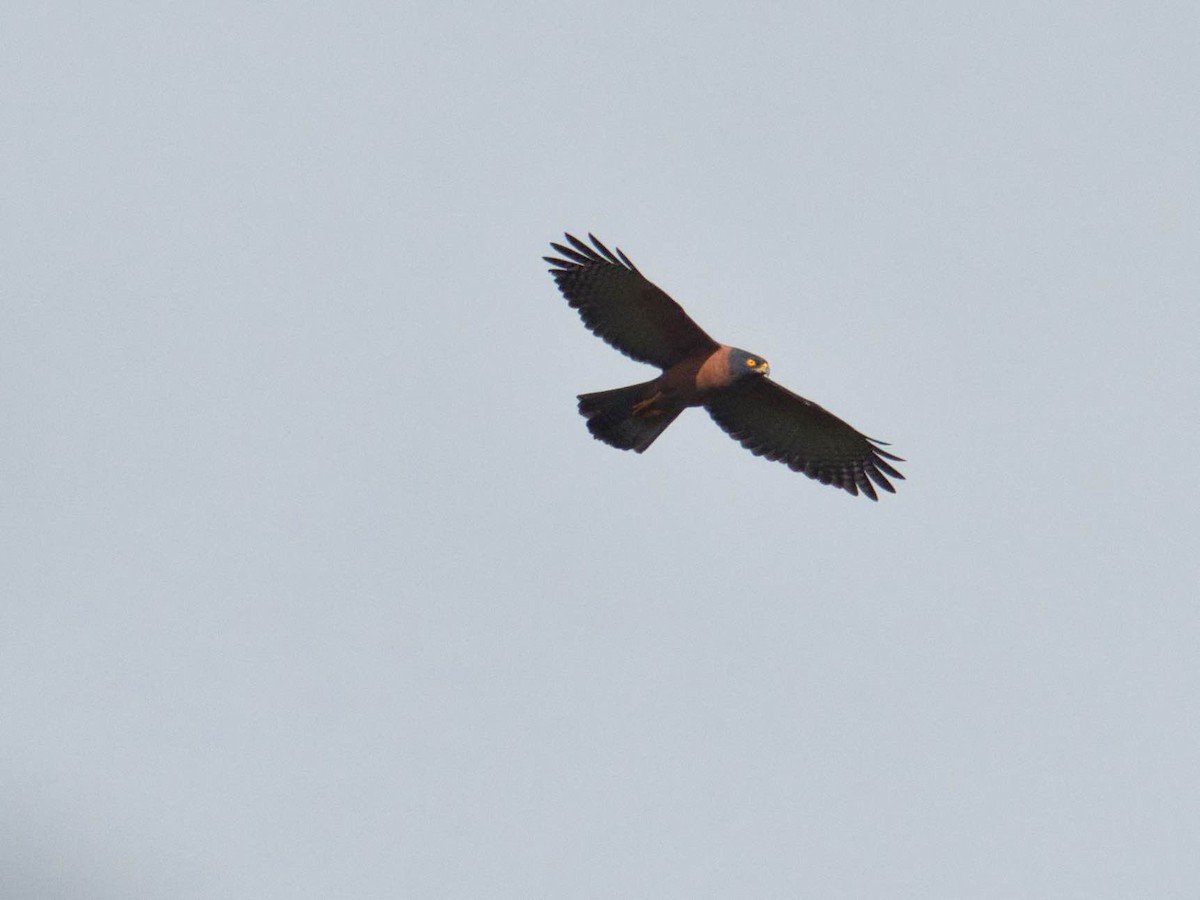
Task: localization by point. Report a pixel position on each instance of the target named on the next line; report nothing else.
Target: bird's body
(621, 306)
(654, 405)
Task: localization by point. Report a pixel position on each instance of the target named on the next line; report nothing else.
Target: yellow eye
(751, 362)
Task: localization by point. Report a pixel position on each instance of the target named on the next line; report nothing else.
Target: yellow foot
(645, 408)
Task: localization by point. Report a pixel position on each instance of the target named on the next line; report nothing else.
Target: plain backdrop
(315, 585)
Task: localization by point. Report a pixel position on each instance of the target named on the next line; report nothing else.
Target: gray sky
(316, 585)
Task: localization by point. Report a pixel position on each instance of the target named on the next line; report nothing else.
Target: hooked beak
(764, 368)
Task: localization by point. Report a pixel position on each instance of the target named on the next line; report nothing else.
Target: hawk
(620, 305)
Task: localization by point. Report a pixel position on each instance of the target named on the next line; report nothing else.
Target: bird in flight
(619, 304)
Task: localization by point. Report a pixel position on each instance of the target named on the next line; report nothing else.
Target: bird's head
(742, 363)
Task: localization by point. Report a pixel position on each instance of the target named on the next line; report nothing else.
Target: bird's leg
(645, 408)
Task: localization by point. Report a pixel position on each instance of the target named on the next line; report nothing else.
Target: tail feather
(612, 418)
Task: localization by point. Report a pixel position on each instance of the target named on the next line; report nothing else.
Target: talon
(645, 407)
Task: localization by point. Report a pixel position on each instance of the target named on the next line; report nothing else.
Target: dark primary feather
(620, 305)
(771, 421)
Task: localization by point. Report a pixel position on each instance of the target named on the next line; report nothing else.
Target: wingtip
(580, 253)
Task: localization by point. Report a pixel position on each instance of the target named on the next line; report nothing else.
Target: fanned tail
(628, 418)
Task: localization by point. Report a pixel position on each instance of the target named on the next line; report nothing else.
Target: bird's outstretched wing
(618, 304)
(771, 421)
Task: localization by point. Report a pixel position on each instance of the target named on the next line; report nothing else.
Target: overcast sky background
(315, 584)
